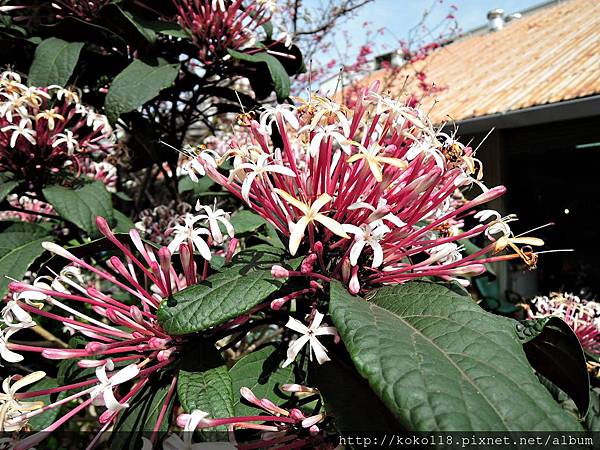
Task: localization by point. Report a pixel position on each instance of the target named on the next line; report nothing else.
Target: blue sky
(399, 16)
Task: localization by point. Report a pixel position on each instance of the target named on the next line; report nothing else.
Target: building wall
(552, 172)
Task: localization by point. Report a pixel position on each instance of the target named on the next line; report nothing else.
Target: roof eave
(553, 112)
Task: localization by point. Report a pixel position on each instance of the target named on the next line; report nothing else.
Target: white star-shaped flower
(311, 214)
(188, 232)
(367, 234)
(214, 216)
(257, 169)
(103, 393)
(68, 139)
(309, 336)
(22, 129)
(270, 114)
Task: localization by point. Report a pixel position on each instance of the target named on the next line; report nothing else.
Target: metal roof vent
(495, 19)
(513, 16)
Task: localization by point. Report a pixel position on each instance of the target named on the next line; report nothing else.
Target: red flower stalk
(218, 25)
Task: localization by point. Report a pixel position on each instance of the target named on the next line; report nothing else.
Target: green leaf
(203, 185)
(281, 80)
(137, 84)
(137, 24)
(204, 382)
(165, 28)
(592, 418)
(223, 296)
(81, 206)
(45, 419)
(245, 222)
(140, 418)
(18, 234)
(268, 27)
(54, 62)
(15, 263)
(261, 372)
(6, 188)
(553, 350)
(350, 400)
(123, 223)
(441, 363)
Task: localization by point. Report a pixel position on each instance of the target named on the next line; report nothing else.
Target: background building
(534, 78)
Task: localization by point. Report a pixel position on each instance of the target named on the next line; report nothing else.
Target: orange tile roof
(549, 55)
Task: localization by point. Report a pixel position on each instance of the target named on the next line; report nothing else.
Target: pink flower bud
(279, 272)
(296, 414)
(312, 420)
(267, 404)
(346, 269)
(157, 343)
(103, 227)
(488, 196)
(90, 363)
(278, 303)
(354, 285)
(94, 347)
(136, 314)
(249, 396)
(231, 249)
(164, 355)
(308, 263)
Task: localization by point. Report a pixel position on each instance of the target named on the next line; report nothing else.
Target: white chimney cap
(495, 19)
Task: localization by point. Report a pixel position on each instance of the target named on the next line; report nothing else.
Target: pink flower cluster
(218, 25)
(583, 316)
(125, 343)
(371, 195)
(46, 130)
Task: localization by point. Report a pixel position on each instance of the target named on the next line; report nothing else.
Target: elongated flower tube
(116, 316)
(374, 193)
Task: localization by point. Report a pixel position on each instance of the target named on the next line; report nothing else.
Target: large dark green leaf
(135, 85)
(140, 418)
(15, 263)
(81, 206)
(246, 221)
(19, 234)
(553, 350)
(441, 363)
(281, 80)
(223, 296)
(204, 382)
(54, 62)
(350, 400)
(6, 187)
(137, 25)
(261, 372)
(592, 418)
(122, 223)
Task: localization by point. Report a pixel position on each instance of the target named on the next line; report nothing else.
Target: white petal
(297, 233)
(356, 250)
(202, 247)
(125, 374)
(319, 350)
(246, 185)
(296, 325)
(377, 254)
